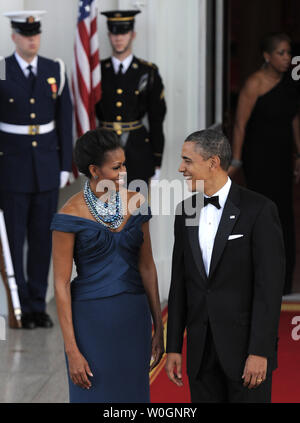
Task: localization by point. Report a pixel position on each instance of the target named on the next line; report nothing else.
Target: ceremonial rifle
(8, 276)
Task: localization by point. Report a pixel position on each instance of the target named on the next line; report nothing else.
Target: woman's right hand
(79, 370)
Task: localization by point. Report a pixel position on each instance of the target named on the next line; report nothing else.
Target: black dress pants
(28, 216)
(213, 386)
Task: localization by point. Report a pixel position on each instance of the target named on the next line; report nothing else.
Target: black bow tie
(212, 200)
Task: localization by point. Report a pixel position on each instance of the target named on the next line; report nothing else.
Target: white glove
(156, 175)
(64, 177)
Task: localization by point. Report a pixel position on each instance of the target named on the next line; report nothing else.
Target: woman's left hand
(158, 348)
(297, 170)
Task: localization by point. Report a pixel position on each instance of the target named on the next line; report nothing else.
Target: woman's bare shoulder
(74, 205)
(253, 82)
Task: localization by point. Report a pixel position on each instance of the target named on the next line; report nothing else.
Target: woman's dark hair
(91, 148)
(271, 41)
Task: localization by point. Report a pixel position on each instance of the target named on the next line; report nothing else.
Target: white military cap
(26, 22)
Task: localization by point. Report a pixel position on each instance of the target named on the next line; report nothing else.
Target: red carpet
(161, 388)
(286, 379)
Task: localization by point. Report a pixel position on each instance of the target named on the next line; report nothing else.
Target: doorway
(245, 25)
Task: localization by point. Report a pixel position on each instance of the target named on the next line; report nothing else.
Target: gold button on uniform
(147, 140)
(34, 144)
(32, 100)
(119, 103)
(136, 92)
(32, 115)
(11, 100)
(119, 91)
(119, 132)
(119, 118)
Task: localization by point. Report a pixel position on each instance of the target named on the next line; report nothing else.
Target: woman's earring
(96, 177)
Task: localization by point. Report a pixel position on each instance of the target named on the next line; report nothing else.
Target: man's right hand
(174, 360)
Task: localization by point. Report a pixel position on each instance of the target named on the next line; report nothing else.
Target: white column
(175, 38)
(178, 42)
(219, 60)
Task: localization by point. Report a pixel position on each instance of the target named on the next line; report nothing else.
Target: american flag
(86, 72)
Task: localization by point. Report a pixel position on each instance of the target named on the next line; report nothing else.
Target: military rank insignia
(53, 85)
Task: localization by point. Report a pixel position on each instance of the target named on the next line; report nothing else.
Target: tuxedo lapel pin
(232, 217)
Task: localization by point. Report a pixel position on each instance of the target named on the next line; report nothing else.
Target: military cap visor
(26, 22)
(120, 21)
(26, 29)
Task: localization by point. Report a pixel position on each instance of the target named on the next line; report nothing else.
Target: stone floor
(32, 365)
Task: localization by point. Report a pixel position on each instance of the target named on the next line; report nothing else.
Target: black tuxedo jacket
(241, 296)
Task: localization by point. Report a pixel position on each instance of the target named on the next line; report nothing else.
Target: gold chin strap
(120, 19)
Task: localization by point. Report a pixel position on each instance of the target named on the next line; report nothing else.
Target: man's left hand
(255, 371)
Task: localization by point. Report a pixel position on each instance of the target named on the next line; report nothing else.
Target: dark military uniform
(30, 165)
(126, 99)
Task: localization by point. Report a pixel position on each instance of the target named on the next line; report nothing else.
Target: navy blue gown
(110, 311)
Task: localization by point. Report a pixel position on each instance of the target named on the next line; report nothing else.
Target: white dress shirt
(126, 63)
(209, 221)
(23, 64)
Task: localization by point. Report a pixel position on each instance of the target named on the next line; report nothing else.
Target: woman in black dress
(266, 128)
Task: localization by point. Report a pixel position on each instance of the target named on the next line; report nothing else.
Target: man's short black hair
(210, 142)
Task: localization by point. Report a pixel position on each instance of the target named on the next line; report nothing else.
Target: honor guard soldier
(132, 88)
(35, 158)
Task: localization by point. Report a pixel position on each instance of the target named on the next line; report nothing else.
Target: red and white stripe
(86, 73)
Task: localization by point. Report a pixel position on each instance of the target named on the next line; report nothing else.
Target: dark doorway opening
(246, 23)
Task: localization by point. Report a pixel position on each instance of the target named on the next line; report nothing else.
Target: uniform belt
(120, 127)
(27, 129)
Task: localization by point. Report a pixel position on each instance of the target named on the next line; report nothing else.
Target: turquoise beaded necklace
(108, 213)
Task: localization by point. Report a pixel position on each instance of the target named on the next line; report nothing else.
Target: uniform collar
(23, 64)
(223, 193)
(126, 63)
